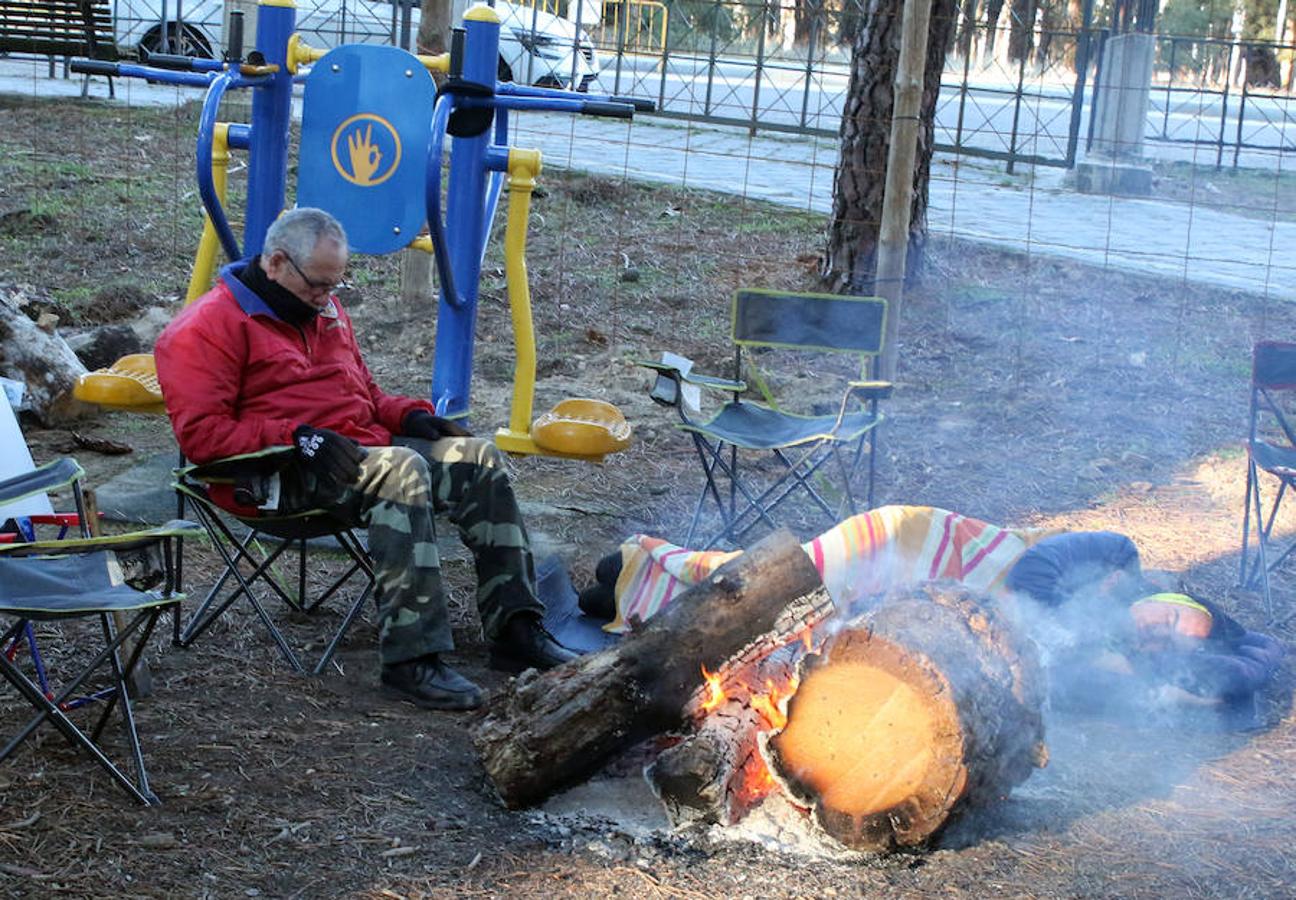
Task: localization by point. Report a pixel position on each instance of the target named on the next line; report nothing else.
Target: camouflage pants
(399, 490)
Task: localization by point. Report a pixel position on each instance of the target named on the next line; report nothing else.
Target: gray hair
(298, 231)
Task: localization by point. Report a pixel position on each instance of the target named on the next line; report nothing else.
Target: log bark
(544, 732)
(909, 714)
(43, 361)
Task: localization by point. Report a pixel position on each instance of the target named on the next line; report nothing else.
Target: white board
(16, 459)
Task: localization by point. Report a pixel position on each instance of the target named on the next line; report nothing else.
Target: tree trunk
(994, 8)
(36, 355)
(544, 732)
(804, 14)
(851, 254)
(967, 28)
(911, 712)
(434, 27)
(1021, 31)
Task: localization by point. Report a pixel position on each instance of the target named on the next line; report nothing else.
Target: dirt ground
(1030, 392)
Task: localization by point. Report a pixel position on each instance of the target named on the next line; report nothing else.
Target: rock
(100, 347)
(150, 324)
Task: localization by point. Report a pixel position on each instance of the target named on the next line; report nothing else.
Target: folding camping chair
(82, 578)
(251, 472)
(1271, 448)
(802, 445)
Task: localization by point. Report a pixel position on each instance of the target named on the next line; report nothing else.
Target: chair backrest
(807, 321)
(1273, 370)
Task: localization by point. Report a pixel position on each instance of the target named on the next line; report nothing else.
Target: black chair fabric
(242, 552)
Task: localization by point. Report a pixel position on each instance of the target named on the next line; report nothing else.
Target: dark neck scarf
(285, 304)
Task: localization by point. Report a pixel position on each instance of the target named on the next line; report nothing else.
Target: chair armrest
(117, 542)
(263, 462)
(707, 381)
(717, 384)
(871, 390)
(41, 480)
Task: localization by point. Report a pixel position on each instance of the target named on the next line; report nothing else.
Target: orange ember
(715, 693)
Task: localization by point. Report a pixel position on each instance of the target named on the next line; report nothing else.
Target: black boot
(526, 645)
(430, 683)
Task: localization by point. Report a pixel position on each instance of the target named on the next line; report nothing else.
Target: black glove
(420, 423)
(327, 454)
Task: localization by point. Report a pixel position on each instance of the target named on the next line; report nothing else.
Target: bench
(58, 28)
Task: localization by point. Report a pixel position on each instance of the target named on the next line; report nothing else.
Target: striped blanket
(865, 555)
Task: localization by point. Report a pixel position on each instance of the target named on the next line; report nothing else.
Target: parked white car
(535, 46)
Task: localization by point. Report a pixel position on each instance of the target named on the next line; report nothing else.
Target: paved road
(1032, 211)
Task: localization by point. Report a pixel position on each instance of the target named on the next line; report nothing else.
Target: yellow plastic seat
(582, 427)
(130, 383)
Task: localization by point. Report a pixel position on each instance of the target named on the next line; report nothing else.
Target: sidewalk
(970, 198)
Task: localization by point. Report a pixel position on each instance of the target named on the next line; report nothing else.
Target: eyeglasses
(319, 287)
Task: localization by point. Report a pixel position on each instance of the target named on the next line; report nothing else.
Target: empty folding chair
(110, 579)
(806, 447)
(248, 481)
(1271, 448)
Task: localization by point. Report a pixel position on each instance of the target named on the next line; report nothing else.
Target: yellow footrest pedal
(130, 383)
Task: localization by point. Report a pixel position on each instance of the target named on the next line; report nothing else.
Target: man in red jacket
(267, 357)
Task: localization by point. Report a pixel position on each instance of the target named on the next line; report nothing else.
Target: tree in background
(434, 26)
(858, 186)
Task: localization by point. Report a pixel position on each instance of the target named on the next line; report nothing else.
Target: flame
(715, 693)
(767, 704)
(808, 639)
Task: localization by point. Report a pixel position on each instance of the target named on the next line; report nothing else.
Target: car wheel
(185, 40)
(503, 72)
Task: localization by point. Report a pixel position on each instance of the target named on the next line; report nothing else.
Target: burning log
(914, 710)
(546, 731)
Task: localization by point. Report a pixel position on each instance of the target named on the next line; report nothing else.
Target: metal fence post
(1078, 92)
(815, 22)
(711, 58)
(760, 67)
(1021, 81)
(1246, 77)
(1228, 78)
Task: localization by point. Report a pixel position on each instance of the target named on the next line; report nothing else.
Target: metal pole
(1165, 116)
(1017, 102)
(897, 203)
(1078, 95)
(815, 19)
(760, 67)
(711, 57)
(1246, 76)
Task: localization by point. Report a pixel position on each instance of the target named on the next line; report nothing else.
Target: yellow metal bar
(209, 244)
(301, 53)
(523, 167)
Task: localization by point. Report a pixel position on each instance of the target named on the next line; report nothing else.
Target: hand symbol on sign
(365, 155)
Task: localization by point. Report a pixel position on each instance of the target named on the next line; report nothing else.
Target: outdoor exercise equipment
(373, 157)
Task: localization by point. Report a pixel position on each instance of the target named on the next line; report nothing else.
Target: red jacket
(238, 379)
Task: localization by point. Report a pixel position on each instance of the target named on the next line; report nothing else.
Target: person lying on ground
(268, 357)
(1098, 618)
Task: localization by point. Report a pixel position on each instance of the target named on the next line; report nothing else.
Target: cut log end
(923, 705)
(870, 735)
